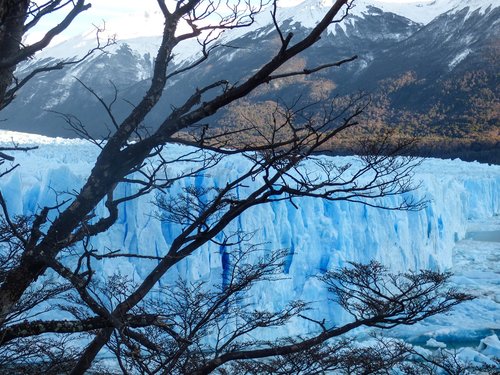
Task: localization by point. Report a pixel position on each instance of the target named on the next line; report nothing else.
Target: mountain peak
(423, 11)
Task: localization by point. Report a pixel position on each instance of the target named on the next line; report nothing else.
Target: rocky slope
(430, 68)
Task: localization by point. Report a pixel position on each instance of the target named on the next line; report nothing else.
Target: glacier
(318, 235)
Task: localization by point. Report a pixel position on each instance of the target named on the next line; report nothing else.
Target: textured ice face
(319, 235)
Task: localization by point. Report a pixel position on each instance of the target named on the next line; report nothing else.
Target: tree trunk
(13, 14)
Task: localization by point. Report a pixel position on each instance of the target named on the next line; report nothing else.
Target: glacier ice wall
(319, 235)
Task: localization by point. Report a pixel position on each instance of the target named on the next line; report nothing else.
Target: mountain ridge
(430, 80)
(425, 12)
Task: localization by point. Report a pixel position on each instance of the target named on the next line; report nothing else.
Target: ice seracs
(320, 235)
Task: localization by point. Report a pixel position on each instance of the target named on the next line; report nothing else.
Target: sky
(128, 19)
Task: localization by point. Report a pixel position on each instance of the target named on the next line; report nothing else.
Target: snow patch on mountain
(459, 58)
(309, 12)
(423, 11)
(78, 46)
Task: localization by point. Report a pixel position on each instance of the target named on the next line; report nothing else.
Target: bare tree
(49, 265)
(17, 19)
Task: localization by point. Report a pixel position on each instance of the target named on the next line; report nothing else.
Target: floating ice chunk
(490, 346)
(433, 343)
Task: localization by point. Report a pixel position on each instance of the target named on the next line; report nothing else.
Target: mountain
(431, 69)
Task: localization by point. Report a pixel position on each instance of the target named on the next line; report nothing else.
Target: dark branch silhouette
(48, 262)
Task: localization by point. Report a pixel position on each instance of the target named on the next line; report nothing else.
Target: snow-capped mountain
(424, 12)
(431, 68)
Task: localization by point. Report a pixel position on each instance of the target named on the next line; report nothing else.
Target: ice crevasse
(318, 235)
